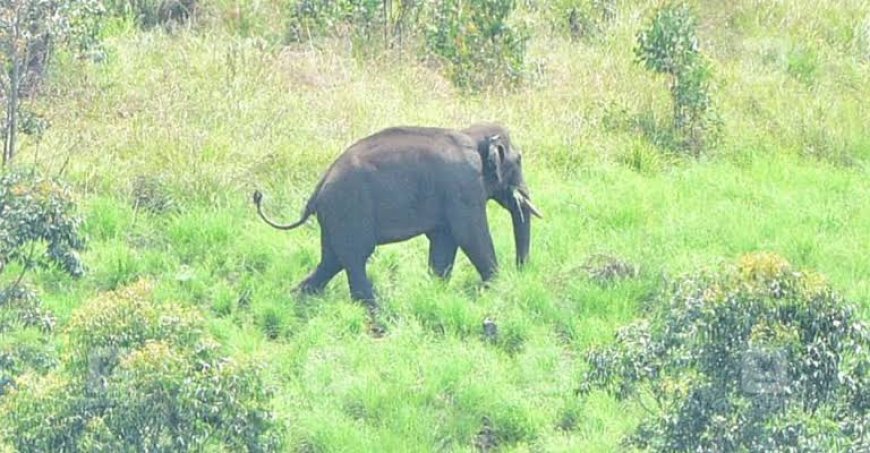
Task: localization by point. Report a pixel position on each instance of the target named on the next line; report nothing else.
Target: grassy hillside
(212, 113)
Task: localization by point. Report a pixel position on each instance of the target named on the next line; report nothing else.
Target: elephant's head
(503, 175)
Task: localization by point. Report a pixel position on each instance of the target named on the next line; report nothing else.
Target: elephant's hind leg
(360, 286)
(353, 250)
(320, 277)
(347, 218)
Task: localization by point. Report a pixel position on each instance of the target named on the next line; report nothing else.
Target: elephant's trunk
(522, 220)
(521, 208)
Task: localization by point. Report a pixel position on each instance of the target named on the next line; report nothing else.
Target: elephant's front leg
(470, 229)
(442, 252)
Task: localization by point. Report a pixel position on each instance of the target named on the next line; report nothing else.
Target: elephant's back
(412, 139)
(404, 149)
(407, 162)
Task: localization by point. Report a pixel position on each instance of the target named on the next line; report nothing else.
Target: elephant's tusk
(533, 209)
(528, 203)
(518, 199)
(523, 200)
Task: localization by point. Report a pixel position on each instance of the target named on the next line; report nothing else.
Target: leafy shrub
(670, 46)
(37, 212)
(23, 350)
(478, 45)
(758, 357)
(151, 13)
(311, 18)
(123, 320)
(168, 399)
(45, 24)
(20, 307)
(366, 21)
(39, 414)
(139, 375)
(471, 38)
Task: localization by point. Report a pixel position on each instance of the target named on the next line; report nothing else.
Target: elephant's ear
(494, 157)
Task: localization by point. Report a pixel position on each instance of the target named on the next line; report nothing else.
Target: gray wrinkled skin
(402, 182)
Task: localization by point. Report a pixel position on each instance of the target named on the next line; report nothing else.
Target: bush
(670, 46)
(139, 375)
(24, 350)
(21, 308)
(471, 38)
(151, 13)
(365, 20)
(312, 18)
(39, 414)
(38, 227)
(167, 399)
(121, 321)
(478, 45)
(758, 357)
(38, 213)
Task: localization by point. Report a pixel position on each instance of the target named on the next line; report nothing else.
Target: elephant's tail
(258, 199)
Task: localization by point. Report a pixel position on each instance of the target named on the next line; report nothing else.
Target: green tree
(669, 45)
(29, 29)
(476, 41)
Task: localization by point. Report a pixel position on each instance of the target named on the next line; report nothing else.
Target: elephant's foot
(369, 301)
(305, 290)
(377, 328)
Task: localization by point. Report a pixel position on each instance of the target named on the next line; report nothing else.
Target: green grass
(216, 115)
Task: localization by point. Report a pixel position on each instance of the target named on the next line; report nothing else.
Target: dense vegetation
(142, 301)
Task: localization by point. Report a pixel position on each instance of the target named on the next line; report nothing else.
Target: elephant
(405, 181)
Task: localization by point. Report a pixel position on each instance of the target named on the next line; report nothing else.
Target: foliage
(477, 42)
(37, 212)
(584, 19)
(312, 18)
(28, 31)
(669, 45)
(472, 38)
(168, 398)
(365, 20)
(116, 323)
(139, 375)
(20, 307)
(39, 413)
(758, 356)
(151, 13)
(22, 350)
